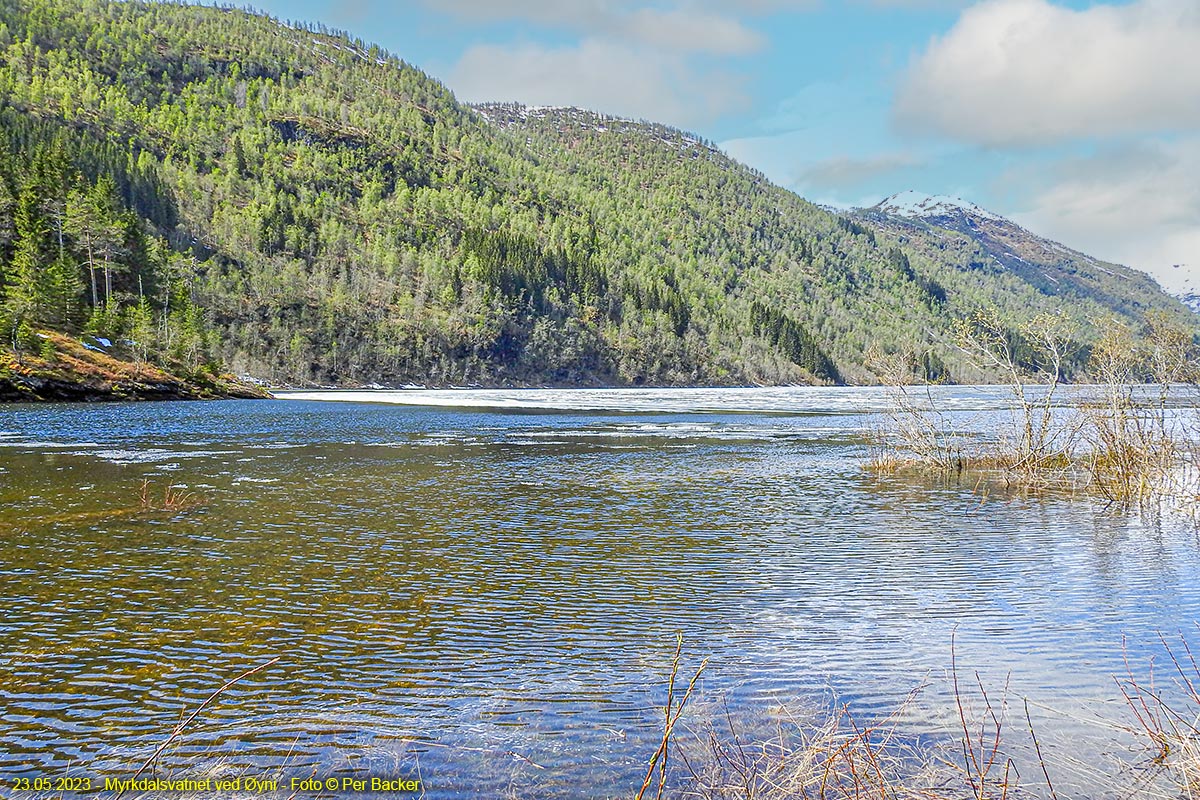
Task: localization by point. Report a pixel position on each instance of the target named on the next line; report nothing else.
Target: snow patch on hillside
(919, 204)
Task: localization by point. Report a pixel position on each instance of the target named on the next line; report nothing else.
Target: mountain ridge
(1053, 269)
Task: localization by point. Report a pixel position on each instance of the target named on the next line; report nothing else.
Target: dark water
(473, 594)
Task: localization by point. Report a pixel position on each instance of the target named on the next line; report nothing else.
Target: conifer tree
(32, 256)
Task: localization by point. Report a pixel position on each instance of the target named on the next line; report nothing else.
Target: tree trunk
(92, 271)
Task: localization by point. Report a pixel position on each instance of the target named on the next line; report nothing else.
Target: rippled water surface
(477, 585)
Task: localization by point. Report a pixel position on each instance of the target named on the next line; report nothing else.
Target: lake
(482, 589)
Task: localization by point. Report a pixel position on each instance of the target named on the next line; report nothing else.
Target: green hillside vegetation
(210, 186)
(986, 257)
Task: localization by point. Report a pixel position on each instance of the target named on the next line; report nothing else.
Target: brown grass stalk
(179, 728)
(174, 498)
(1172, 727)
(672, 714)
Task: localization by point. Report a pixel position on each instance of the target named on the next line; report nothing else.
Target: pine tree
(32, 257)
(139, 326)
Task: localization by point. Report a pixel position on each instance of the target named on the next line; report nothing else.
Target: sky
(1079, 120)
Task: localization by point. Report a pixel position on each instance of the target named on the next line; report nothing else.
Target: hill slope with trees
(205, 186)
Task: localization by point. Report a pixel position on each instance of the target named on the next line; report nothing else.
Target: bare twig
(672, 718)
(179, 728)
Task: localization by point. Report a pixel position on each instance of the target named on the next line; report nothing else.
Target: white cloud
(1021, 72)
(686, 28)
(691, 31)
(1137, 205)
(575, 13)
(600, 74)
(586, 14)
(632, 58)
(918, 4)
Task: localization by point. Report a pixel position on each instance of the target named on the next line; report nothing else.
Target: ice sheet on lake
(769, 400)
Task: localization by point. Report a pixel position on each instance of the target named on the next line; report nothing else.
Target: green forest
(216, 189)
(74, 257)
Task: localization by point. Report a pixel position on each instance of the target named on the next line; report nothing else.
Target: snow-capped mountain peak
(919, 204)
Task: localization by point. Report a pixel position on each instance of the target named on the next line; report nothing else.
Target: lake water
(483, 588)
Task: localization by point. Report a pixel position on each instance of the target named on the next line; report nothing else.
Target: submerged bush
(1133, 439)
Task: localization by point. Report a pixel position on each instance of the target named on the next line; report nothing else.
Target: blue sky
(1080, 120)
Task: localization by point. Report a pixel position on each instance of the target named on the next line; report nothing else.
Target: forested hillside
(213, 185)
(977, 242)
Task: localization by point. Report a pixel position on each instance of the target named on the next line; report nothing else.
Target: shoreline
(71, 371)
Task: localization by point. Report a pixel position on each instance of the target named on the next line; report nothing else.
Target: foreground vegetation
(1132, 437)
(993, 752)
(840, 757)
(217, 186)
(68, 368)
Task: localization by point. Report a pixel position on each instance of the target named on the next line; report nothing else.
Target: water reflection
(452, 586)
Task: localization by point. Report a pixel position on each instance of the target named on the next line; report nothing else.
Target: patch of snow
(918, 204)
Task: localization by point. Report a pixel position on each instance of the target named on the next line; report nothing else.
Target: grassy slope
(67, 370)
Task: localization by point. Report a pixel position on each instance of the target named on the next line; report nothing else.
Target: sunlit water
(483, 588)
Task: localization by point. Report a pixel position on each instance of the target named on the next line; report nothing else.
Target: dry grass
(66, 369)
(838, 756)
(174, 498)
(835, 756)
(71, 358)
(1171, 727)
(147, 501)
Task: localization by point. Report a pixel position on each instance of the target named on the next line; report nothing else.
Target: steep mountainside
(336, 216)
(951, 229)
(892, 275)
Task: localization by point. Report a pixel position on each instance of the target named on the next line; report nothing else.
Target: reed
(174, 498)
(1169, 724)
(1136, 442)
(836, 756)
(830, 759)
